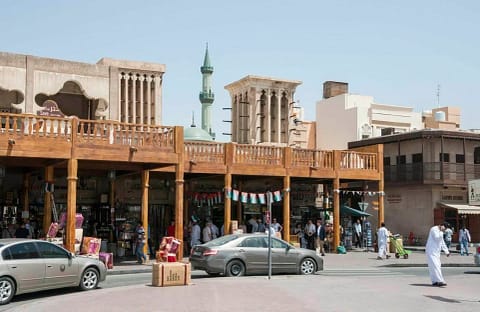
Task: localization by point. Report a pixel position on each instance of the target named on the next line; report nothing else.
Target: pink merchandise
(52, 230)
(78, 220)
(107, 258)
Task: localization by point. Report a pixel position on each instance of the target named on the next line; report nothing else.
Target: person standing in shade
(141, 258)
(382, 238)
(195, 234)
(464, 239)
(207, 234)
(310, 234)
(358, 233)
(435, 244)
(261, 226)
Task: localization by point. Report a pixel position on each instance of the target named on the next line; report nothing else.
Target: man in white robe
(382, 238)
(435, 244)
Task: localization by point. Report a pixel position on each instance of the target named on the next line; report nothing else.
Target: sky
(399, 52)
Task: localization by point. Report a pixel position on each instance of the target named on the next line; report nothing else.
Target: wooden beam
(336, 213)
(179, 185)
(47, 200)
(286, 208)
(144, 215)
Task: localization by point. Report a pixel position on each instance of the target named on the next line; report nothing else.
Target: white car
(28, 265)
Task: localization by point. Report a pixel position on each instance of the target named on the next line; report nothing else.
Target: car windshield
(221, 241)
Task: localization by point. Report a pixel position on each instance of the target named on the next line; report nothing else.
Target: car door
(25, 265)
(255, 254)
(60, 269)
(284, 258)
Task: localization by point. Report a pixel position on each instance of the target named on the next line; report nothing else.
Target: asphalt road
(368, 276)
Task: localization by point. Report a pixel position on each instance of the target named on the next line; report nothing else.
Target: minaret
(206, 95)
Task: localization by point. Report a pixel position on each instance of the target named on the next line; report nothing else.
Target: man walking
(435, 244)
(320, 237)
(382, 238)
(464, 238)
(358, 233)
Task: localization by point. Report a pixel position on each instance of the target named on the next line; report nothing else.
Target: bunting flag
(244, 197)
(277, 196)
(261, 198)
(228, 192)
(235, 195)
(253, 198)
(369, 193)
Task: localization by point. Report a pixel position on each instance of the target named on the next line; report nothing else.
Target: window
(48, 250)
(417, 158)
(445, 157)
(254, 242)
(21, 251)
(401, 160)
(276, 243)
(386, 161)
(460, 159)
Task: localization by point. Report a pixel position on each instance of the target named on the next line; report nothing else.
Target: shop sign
(394, 198)
(474, 192)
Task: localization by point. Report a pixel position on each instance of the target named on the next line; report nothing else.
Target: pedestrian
(382, 238)
(358, 233)
(464, 239)
(447, 236)
(215, 231)
(435, 244)
(207, 234)
(171, 229)
(195, 234)
(320, 237)
(140, 232)
(278, 228)
(309, 234)
(22, 232)
(261, 226)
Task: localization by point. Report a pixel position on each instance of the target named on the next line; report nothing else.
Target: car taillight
(210, 252)
(478, 250)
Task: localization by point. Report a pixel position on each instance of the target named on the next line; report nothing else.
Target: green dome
(196, 134)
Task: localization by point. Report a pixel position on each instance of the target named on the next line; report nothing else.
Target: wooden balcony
(31, 136)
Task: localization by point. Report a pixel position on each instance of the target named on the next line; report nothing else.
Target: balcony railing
(258, 155)
(205, 152)
(312, 159)
(433, 171)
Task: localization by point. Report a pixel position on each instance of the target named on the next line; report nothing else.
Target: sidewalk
(354, 259)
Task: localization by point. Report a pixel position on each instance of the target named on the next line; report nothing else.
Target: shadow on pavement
(423, 285)
(443, 299)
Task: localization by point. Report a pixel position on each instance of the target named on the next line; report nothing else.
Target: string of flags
(252, 198)
(369, 193)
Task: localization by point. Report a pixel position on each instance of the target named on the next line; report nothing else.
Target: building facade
(426, 176)
(125, 91)
(355, 117)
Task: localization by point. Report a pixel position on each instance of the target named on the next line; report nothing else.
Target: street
(371, 288)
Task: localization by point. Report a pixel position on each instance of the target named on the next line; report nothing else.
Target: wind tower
(206, 95)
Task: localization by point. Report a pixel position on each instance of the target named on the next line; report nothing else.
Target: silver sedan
(28, 265)
(242, 254)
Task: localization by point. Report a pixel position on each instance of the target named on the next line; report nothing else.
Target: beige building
(126, 91)
(355, 117)
(426, 176)
(264, 112)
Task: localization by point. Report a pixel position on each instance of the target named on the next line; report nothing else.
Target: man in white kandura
(435, 244)
(382, 237)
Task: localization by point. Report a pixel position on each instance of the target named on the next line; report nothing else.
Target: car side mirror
(69, 255)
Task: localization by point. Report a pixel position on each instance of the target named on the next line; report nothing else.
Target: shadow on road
(422, 285)
(443, 299)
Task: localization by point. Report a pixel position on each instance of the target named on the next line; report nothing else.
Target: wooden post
(47, 201)
(336, 213)
(71, 204)
(228, 188)
(179, 185)
(381, 186)
(144, 215)
(286, 208)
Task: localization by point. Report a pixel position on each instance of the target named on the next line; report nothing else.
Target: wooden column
(336, 213)
(47, 201)
(381, 186)
(71, 204)
(286, 208)
(144, 215)
(111, 201)
(239, 204)
(228, 188)
(179, 185)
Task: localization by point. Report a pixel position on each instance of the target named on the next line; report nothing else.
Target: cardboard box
(171, 274)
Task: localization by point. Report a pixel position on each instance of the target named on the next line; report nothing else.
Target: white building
(354, 117)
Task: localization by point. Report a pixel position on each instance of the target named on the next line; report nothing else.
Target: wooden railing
(312, 159)
(88, 131)
(258, 155)
(357, 160)
(113, 132)
(205, 152)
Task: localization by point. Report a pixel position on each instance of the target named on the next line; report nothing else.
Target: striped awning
(462, 209)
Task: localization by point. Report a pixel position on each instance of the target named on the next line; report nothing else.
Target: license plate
(197, 253)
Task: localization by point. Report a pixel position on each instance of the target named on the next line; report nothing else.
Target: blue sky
(396, 51)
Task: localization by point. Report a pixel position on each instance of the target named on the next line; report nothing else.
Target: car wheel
(235, 268)
(89, 279)
(7, 290)
(308, 266)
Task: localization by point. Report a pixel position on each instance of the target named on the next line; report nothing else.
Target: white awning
(463, 209)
